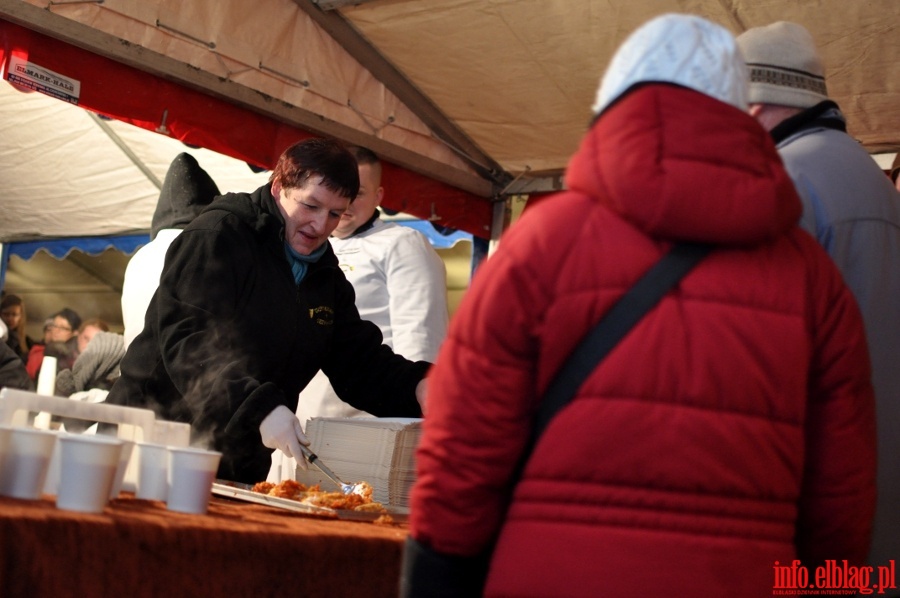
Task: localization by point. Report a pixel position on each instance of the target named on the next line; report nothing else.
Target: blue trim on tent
(4, 261)
(60, 248)
(437, 239)
(128, 244)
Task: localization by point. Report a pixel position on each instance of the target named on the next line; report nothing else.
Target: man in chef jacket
(400, 283)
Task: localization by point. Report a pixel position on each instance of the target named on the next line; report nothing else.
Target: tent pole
(482, 248)
(125, 149)
(4, 262)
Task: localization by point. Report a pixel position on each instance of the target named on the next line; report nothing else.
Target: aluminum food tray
(243, 492)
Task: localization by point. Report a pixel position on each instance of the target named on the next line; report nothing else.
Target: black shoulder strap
(613, 326)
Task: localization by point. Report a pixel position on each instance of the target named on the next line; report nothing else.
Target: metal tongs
(314, 460)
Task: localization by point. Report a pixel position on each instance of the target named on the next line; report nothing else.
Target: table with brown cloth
(137, 548)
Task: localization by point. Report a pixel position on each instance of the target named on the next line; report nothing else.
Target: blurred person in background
(12, 369)
(36, 352)
(730, 430)
(95, 368)
(12, 311)
(61, 341)
(87, 330)
(852, 210)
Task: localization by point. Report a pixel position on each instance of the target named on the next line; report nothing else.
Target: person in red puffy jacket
(728, 437)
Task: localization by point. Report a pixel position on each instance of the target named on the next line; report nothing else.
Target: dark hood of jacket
(185, 192)
(824, 114)
(258, 209)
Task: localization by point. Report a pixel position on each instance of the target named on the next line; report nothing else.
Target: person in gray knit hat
(852, 209)
(186, 190)
(96, 367)
(785, 67)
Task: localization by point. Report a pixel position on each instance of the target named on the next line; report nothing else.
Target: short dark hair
(364, 155)
(10, 301)
(71, 316)
(326, 158)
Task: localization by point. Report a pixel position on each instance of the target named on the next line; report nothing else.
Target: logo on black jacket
(322, 315)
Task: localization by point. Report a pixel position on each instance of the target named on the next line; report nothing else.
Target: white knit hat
(785, 67)
(681, 49)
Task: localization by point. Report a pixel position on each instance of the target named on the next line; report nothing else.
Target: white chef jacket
(401, 285)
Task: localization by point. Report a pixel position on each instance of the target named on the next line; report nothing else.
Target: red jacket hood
(674, 162)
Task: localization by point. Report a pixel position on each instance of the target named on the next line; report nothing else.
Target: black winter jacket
(230, 336)
(12, 370)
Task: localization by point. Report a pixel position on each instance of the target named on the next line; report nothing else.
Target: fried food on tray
(287, 489)
(370, 507)
(263, 487)
(365, 490)
(334, 500)
(360, 500)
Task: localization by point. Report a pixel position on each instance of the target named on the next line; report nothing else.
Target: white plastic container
(191, 475)
(87, 471)
(27, 460)
(136, 425)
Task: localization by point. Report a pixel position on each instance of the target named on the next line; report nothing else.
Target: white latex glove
(282, 430)
(421, 392)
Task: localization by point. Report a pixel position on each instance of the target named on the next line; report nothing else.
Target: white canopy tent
(69, 173)
(73, 183)
(79, 193)
(472, 104)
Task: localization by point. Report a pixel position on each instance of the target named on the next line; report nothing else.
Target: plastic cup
(87, 471)
(191, 475)
(124, 459)
(152, 483)
(25, 466)
(46, 382)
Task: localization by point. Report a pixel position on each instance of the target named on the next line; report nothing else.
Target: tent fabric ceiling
(519, 76)
(247, 124)
(67, 173)
(514, 79)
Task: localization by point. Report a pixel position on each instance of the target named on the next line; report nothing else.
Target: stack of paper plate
(380, 451)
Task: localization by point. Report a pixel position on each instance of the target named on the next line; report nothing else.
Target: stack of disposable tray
(380, 451)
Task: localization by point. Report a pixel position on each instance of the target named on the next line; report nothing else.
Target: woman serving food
(251, 303)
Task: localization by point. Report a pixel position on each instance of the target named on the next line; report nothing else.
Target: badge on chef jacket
(322, 315)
